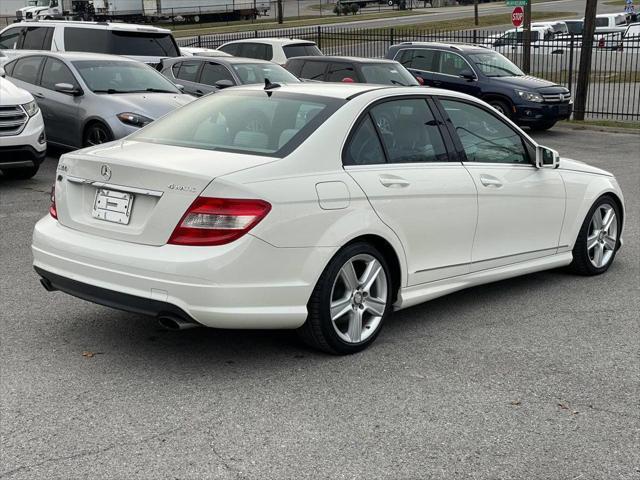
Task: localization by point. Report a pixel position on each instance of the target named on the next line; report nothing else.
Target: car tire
(501, 106)
(24, 173)
(541, 127)
(357, 286)
(96, 133)
(599, 238)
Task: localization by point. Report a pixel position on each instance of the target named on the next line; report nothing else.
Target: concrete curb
(597, 128)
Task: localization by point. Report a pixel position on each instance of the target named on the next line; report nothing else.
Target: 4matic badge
(182, 188)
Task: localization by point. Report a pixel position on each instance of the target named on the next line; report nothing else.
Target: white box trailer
(199, 10)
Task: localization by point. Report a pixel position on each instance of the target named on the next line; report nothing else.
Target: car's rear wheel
(21, 173)
(598, 240)
(95, 134)
(350, 301)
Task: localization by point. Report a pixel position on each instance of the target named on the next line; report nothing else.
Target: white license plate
(112, 206)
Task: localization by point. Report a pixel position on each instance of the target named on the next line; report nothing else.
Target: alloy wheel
(359, 298)
(603, 235)
(97, 136)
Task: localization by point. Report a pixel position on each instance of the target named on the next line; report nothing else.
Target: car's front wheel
(96, 134)
(598, 239)
(350, 301)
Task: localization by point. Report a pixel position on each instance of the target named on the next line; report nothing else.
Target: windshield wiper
(159, 90)
(395, 82)
(111, 91)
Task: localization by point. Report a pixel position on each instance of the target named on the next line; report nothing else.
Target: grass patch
(604, 123)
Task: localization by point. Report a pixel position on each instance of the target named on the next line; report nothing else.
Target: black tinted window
(339, 72)
(419, 59)
(9, 39)
(451, 64)
(485, 137)
(301, 50)
(8, 68)
(189, 71)
(37, 38)
(56, 72)
(313, 70)
(119, 43)
(261, 51)
(213, 72)
(231, 49)
(364, 146)
(409, 131)
(27, 69)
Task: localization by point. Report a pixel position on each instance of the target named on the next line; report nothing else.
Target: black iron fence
(614, 90)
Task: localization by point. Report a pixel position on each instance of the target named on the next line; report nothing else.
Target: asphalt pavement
(531, 378)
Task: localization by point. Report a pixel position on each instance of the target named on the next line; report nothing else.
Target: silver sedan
(88, 99)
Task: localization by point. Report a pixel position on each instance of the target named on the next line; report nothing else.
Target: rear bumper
(246, 284)
(533, 113)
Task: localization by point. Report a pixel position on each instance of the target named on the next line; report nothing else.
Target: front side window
(492, 64)
(122, 76)
(364, 146)
(409, 131)
(189, 71)
(56, 72)
(243, 122)
(419, 59)
(250, 73)
(27, 68)
(451, 64)
(387, 74)
(484, 137)
(341, 72)
(213, 73)
(231, 49)
(313, 70)
(9, 39)
(301, 50)
(260, 51)
(37, 38)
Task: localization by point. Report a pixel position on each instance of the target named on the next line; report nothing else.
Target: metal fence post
(391, 41)
(319, 37)
(571, 53)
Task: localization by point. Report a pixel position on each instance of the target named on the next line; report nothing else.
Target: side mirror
(68, 89)
(467, 74)
(224, 84)
(180, 87)
(547, 158)
(2, 73)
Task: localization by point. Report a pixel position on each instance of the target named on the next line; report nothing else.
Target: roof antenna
(268, 86)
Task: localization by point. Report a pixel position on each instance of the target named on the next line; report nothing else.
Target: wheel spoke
(348, 274)
(609, 242)
(371, 274)
(598, 253)
(340, 307)
(608, 219)
(597, 219)
(592, 241)
(375, 305)
(355, 326)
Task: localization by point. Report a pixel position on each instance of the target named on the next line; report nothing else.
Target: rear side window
(56, 72)
(301, 50)
(313, 70)
(119, 43)
(9, 39)
(418, 59)
(27, 68)
(37, 38)
(189, 71)
(231, 49)
(261, 51)
(339, 72)
(364, 146)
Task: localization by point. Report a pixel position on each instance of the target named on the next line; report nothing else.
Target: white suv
(140, 42)
(277, 50)
(23, 145)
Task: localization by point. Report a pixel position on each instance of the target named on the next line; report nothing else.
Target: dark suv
(486, 74)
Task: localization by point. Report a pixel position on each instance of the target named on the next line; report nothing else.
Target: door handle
(199, 93)
(39, 95)
(391, 181)
(489, 181)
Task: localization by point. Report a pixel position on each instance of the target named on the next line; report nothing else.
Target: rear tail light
(601, 42)
(52, 208)
(216, 221)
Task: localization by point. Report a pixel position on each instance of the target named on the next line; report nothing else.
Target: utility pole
(476, 21)
(586, 51)
(526, 34)
(280, 11)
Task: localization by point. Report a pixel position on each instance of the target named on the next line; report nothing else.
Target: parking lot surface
(534, 377)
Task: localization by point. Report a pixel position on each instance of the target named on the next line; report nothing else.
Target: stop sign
(517, 17)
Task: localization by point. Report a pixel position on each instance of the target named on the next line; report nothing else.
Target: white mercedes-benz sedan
(318, 207)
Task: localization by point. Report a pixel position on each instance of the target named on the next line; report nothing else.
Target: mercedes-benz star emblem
(105, 171)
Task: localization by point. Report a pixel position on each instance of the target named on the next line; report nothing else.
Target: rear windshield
(301, 50)
(258, 72)
(387, 74)
(244, 122)
(144, 44)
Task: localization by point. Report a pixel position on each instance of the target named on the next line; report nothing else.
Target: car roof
(462, 47)
(75, 56)
(272, 41)
(128, 27)
(229, 60)
(336, 58)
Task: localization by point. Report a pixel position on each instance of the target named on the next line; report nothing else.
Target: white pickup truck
(627, 40)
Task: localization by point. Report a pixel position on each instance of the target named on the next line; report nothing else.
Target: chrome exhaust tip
(174, 323)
